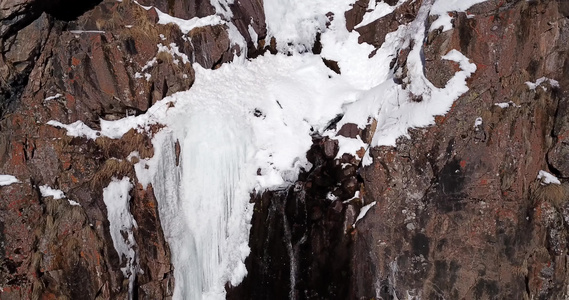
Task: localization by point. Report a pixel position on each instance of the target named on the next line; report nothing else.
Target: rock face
(86, 61)
(458, 210)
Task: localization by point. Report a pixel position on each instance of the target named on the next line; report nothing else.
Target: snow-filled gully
(247, 126)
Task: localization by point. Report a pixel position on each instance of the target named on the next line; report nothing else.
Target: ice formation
(247, 126)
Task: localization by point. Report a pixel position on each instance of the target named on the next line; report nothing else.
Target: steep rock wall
(459, 212)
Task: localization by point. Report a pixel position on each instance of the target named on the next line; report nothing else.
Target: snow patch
(173, 50)
(73, 203)
(540, 81)
(477, 122)
(76, 129)
(121, 222)
(507, 104)
(47, 191)
(295, 23)
(377, 10)
(364, 211)
(53, 97)
(149, 64)
(86, 31)
(442, 8)
(253, 34)
(349, 146)
(7, 180)
(547, 178)
(356, 196)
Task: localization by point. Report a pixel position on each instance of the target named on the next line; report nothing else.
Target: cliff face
(458, 210)
(64, 62)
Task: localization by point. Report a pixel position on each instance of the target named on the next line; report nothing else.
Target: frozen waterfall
(204, 201)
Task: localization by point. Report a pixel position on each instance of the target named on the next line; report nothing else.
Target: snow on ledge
(53, 97)
(547, 178)
(507, 104)
(533, 85)
(116, 197)
(76, 129)
(47, 191)
(364, 211)
(442, 8)
(110, 129)
(377, 10)
(7, 180)
(187, 25)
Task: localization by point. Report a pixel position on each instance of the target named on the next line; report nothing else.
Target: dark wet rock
(313, 225)
(330, 148)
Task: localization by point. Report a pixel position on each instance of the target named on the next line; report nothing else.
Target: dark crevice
(317, 48)
(150, 93)
(164, 88)
(69, 10)
(218, 63)
(11, 92)
(332, 124)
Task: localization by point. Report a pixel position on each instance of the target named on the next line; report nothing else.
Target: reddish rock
(456, 205)
(355, 15)
(211, 45)
(374, 33)
(104, 64)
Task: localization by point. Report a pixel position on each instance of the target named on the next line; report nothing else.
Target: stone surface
(460, 213)
(104, 62)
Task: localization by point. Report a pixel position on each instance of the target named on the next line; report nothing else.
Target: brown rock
(330, 148)
(211, 44)
(374, 33)
(349, 130)
(451, 191)
(355, 15)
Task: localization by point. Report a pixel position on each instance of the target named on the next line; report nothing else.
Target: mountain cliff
(358, 149)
